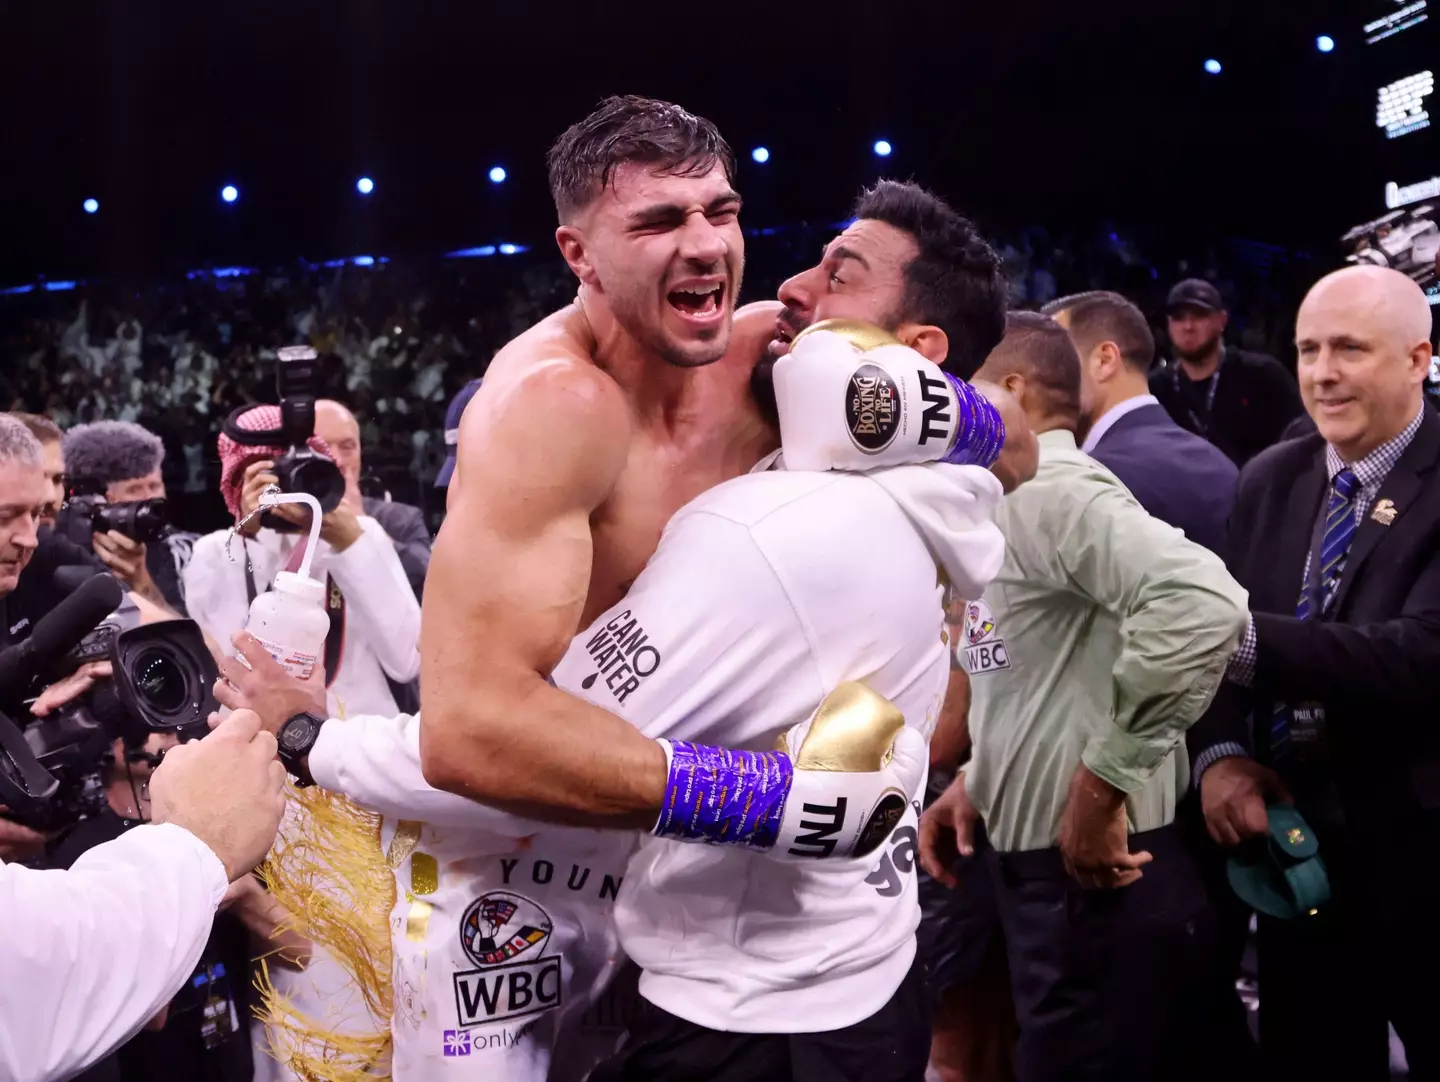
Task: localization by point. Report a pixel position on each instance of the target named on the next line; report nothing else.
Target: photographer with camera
(96, 952)
(371, 653)
(116, 505)
(403, 522)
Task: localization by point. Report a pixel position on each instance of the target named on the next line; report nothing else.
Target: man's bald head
(336, 425)
(1362, 339)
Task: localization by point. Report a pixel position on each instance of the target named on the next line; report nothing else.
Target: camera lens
(160, 681)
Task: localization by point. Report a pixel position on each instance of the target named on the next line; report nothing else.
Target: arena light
(1325, 43)
(497, 174)
(364, 261)
(1400, 109)
(229, 193)
(364, 185)
(1212, 67)
(507, 249)
(92, 206)
(760, 155)
(882, 148)
(471, 253)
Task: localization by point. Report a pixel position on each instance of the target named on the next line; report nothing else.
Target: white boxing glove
(836, 789)
(851, 397)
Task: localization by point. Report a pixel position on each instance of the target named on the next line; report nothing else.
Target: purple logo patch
(457, 1042)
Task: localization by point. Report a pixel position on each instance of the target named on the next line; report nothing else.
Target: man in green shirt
(1102, 640)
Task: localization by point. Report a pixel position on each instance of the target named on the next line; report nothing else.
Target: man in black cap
(1241, 402)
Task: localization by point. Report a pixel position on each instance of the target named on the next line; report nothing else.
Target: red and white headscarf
(235, 457)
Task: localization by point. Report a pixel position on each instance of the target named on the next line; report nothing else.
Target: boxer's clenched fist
(848, 399)
(837, 788)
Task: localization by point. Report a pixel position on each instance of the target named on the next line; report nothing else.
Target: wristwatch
(296, 737)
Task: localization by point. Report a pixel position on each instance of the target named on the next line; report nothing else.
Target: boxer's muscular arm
(538, 454)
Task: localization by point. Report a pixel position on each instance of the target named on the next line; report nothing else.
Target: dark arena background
(384, 168)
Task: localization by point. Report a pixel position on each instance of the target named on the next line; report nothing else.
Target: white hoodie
(764, 594)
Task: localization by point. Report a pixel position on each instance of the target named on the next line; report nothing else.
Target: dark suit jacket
(406, 527)
(1176, 475)
(1373, 660)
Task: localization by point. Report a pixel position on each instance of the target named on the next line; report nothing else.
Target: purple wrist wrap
(980, 434)
(724, 796)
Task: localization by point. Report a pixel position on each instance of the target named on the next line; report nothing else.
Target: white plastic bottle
(289, 620)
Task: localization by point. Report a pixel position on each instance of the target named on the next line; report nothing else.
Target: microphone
(57, 633)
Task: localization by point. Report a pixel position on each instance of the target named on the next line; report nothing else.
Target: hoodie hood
(953, 509)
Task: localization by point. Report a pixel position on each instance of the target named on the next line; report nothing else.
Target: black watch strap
(295, 739)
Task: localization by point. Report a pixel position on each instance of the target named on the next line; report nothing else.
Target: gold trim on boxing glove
(863, 336)
(853, 732)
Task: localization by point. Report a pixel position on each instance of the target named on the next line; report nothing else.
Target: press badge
(218, 1019)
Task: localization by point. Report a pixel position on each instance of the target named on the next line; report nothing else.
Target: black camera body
(162, 681)
(145, 521)
(299, 469)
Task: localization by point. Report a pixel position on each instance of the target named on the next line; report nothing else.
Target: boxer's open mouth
(698, 301)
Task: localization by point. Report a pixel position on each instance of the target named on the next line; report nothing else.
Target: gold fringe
(328, 871)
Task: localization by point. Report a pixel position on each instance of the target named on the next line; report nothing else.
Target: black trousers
(1329, 983)
(892, 1045)
(1109, 985)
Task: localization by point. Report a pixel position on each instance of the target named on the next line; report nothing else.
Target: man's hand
(266, 688)
(1094, 835)
(18, 842)
(340, 528)
(126, 558)
(257, 478)
(227, 789)
(1233, 794)
(947, 832)
(1020, 457)
(70, 687)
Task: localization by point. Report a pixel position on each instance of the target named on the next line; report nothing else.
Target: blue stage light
(229, 193)
(497, 174)
(1213, 67)
(1325, 43)
(92, 206)
(883, 148)
(760, 155)
(364, 185)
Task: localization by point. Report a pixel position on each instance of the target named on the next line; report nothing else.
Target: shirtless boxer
(590, 431)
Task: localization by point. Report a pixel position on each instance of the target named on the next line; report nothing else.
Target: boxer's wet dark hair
(1102, 316)
(1039, 349)
(624, 129)
(954, 281)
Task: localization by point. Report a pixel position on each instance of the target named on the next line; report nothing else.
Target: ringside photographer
(116, 504)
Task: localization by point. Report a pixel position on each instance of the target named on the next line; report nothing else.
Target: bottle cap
(301, 586)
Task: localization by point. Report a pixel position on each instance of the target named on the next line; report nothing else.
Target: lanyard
(1200, 428)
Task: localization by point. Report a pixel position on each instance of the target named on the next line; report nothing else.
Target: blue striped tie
(1339, 530)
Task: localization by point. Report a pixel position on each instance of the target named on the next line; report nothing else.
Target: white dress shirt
(89, 955)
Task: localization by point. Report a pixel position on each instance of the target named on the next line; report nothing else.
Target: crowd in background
(177, 355)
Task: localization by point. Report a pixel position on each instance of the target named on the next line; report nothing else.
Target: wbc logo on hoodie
(506, 935)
